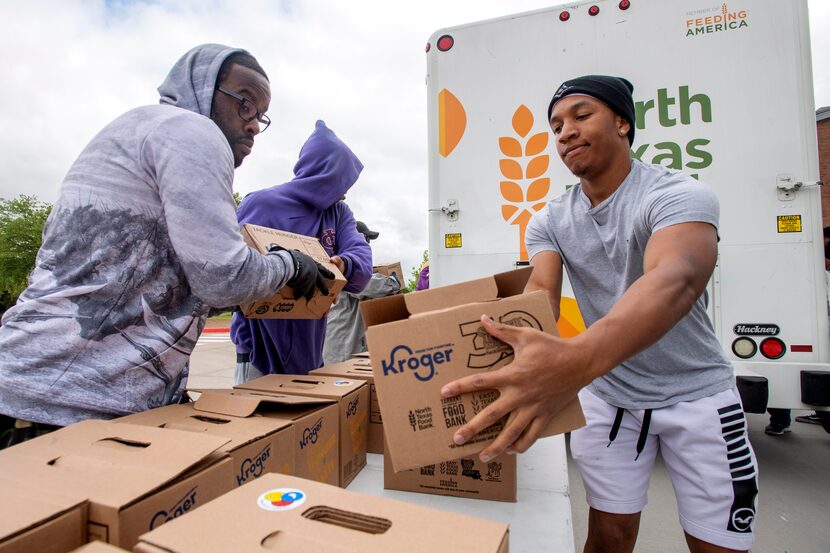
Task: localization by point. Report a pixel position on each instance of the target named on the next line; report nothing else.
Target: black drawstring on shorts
(641, 441)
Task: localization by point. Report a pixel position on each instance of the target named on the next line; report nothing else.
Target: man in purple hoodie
(310, 204)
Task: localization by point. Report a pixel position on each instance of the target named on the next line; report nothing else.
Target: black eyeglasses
(247, 109)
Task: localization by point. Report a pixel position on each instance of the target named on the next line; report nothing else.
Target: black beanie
(615, 92)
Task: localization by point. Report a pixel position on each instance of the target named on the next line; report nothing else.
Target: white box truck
(723, 91)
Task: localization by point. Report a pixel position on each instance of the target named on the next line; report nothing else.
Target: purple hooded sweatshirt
(309, 204)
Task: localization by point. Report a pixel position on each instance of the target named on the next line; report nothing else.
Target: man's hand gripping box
(282, 305)
(419, 342)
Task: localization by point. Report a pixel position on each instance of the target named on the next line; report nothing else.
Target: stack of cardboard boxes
(116, 480)
(352, 400)
(134, 478)
(360, 368)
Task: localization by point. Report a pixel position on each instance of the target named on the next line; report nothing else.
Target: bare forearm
(553, 296)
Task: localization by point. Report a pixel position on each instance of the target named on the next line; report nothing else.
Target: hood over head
(326, 170)
(190, 83)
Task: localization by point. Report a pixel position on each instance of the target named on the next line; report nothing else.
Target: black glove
(308, 275)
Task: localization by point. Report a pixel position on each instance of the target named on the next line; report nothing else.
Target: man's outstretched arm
(547, 372)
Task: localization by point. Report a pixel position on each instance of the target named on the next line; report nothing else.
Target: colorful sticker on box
(281, 499)
(344, 383)
(789, 223)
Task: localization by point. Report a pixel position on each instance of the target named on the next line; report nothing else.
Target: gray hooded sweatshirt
(141, 243)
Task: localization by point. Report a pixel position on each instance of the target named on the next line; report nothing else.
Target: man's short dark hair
(239, 58)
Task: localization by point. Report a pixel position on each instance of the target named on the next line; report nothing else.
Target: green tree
(237, 198)
(414, 274)
(21, 227)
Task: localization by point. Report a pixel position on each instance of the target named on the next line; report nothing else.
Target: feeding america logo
(715, 20)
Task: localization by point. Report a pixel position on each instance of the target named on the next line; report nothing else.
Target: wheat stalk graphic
(525, 188)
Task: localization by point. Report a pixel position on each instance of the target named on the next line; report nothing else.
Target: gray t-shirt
(345, 332)
(602, 249)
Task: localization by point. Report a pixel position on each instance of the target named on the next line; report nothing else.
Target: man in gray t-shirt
(141, 244)
(639, 243)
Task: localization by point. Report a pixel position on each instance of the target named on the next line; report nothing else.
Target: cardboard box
(258, 445)
(135, 477)
(392, 269)
(352, 397)
(32, 520)
(99, 547)
(466, 477)
(421, 341)
(360, 368)
(282, 305)
(314, 426)
(285, 514)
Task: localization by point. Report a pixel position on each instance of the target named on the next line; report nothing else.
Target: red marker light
(593, 10)
(427, 48)
(625, 4)
(564, 16)
(445, 43)
(773, 348)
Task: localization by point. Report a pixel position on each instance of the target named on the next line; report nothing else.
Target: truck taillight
(773, 348)
(445, 43)
(625, 4)
(593, 10)
(427, 47)
(564, 16)
(744, 347)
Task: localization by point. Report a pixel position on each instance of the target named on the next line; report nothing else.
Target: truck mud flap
(754, 391)
(815, 388)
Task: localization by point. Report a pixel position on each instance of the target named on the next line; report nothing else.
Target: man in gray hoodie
(141, 244)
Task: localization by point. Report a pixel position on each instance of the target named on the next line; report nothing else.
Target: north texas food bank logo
(715, 20)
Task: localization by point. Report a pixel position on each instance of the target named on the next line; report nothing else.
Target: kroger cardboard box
(257, 445)
(286, 514)
(32, 520)
(352, 397)
(466, 477)
(391, 269)
(421, 341)
(136, 478)
(360, 368)
(282, 305)
(314, 431)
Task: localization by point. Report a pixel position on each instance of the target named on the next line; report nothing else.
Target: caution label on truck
(789, 223)
(452, 240)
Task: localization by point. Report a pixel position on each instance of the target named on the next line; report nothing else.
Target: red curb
(217, 330)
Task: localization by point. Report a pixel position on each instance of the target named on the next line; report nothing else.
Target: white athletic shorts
(705, 446)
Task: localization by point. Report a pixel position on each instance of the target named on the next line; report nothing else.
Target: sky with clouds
(71, 66)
